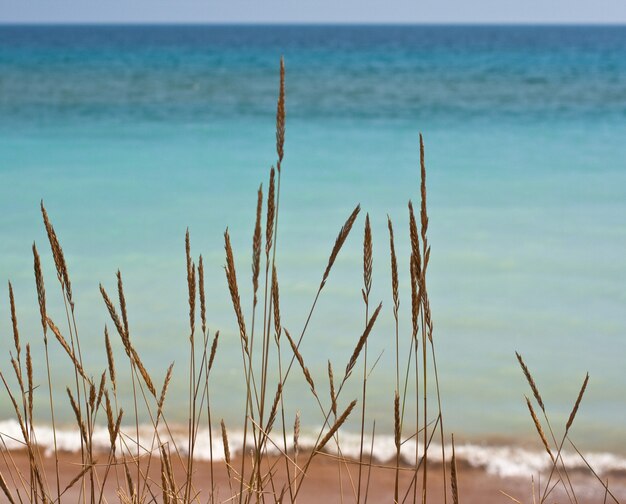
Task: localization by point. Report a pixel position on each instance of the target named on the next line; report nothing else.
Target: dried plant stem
(538, 398)
(290, 481)
(397, 440)
(33, 467)
(591, 469)
(440, 416)
(248, 368)
(370, 464)
(227, 459)
(453, 476)
(568, 425)
(5, 490)
(267, 316)
(427, 328)
(272, 239)
(341, 238)
(319, 445)
(191, 289)
(367, 286)
(41, 296)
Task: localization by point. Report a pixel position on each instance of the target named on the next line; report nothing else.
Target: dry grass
(264, 424)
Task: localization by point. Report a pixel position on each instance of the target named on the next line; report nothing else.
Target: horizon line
(323, 23)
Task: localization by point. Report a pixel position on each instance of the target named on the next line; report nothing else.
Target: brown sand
(322, 482)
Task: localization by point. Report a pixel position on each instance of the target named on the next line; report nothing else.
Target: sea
(130, 135)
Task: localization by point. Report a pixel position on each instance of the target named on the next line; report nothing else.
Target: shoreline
(502, 458)
(321, 482)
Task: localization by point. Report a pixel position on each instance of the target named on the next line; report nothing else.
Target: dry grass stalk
(188, 254)
(30, 389)
(18, 374)
(427, 315)
(271, 213)
(397, 425)
(276, 303)
(16, 408)
(116, 320)
(143, 372)
(417, 282)
(29, 447)
(128, 347)
(415, 244)
(166, 383)
(112, 426)
(109, 412)
(256, 245)
(101, 390)
(397, 441)
(191, 286)
(367, 287)
(41, 291)
(165, 486)
(39, 479)
(16, 332)
(531, 381)
(231, 278)
(226, 448)
(361, 342)
(66, 347)
(122, 300)
(415, 297)
(453, 476)
(41, 299)
(202, 294)
(116, 429)
(59, 258)
(131, 486)
(333, 395)
(305, 370)
(213, 349)
(280, 115)
(572, 415)
(110, 359)
(540, 431)
(424, 211)
(367, 259)
(92, 396)
(78, 415)
(338, 423)
(5, 490)
(296, 433)
(274, 410)
(394, 270)
(341, 238)
(76, 478)
(166, 468)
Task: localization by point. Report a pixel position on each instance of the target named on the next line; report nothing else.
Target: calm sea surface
(132, 134)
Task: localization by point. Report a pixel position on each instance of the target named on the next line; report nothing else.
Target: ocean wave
(499, 460)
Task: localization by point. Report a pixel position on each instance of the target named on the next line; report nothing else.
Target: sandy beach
(322, 482)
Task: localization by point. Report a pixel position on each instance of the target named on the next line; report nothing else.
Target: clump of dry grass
(129, 456)
(555, 454)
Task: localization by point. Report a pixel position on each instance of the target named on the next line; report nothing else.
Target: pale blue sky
(333, 11)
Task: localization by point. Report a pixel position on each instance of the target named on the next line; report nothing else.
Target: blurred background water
(131, 134)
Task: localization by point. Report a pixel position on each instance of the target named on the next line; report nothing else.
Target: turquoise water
(132, 134)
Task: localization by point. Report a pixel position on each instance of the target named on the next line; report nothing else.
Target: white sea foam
(500, 460)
